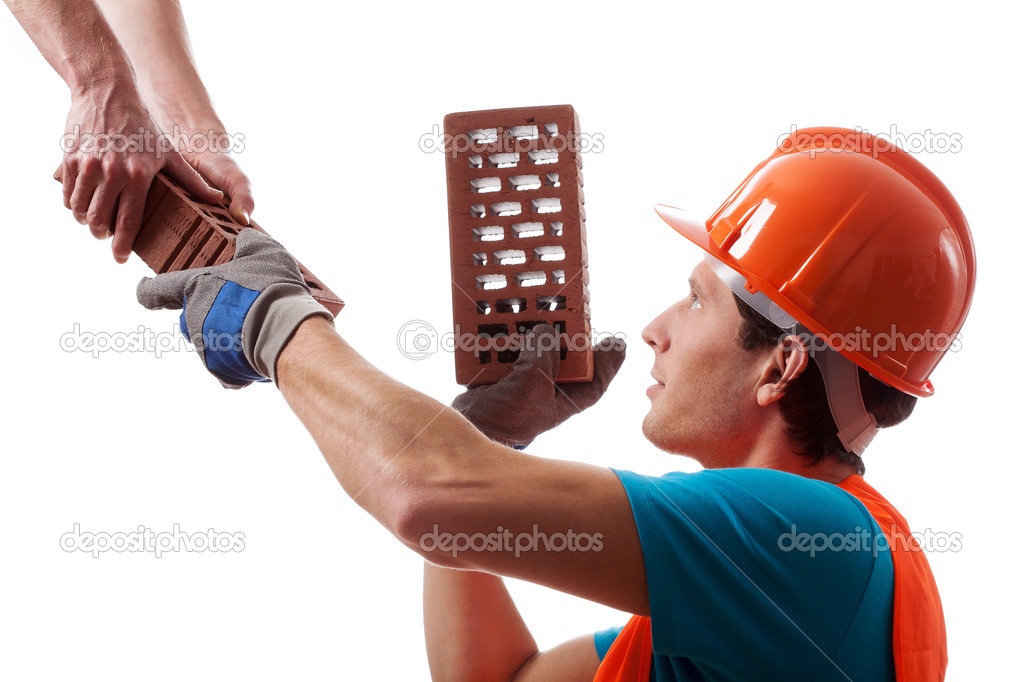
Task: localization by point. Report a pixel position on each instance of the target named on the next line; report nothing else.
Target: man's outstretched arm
(424, 471)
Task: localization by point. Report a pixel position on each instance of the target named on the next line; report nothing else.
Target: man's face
(704, 402)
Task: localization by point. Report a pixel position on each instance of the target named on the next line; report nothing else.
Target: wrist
(273, 321)
(101, 83)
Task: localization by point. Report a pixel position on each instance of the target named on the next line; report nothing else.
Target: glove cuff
(272, 321)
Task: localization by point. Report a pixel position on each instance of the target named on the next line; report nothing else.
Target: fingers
(190, 179)
(83, 187)
(129, 218)
(164, 291)
(540, 351)
(100, 215)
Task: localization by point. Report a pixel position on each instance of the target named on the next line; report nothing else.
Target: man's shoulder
(753, 489)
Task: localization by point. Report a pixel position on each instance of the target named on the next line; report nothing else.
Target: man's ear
(785, 363)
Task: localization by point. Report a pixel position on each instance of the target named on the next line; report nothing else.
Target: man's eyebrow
(696, 287)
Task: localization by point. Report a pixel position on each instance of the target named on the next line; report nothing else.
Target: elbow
(429, 499)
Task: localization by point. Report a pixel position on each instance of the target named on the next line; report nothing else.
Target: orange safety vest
(918, 625)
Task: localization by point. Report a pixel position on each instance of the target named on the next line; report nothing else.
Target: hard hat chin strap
(856, 426)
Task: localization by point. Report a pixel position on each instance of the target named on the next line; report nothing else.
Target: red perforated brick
(179, 233)
(518, 237)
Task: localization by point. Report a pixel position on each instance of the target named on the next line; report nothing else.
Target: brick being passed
(179, 233)
(517, 230)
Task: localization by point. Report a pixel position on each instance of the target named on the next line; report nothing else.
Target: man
(834, 235)
(836, 276)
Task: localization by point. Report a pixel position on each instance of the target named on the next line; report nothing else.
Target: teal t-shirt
(757, 574)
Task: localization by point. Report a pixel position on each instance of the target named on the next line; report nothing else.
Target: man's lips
(659, 386)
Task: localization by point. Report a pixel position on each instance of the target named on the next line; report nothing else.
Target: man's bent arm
(429, 476)
(474, 632)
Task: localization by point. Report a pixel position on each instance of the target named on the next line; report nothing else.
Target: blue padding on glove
(222, 334)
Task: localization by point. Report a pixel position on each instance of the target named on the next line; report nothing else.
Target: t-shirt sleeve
(604, 639)
(729, 578)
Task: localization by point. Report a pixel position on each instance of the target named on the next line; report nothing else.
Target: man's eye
(694, 301)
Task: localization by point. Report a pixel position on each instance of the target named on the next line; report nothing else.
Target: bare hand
(113, 149)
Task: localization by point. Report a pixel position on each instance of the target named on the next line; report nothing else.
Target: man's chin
(654, 430)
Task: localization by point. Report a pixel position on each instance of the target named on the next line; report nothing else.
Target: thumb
(164, 291)
(608, 357)
(226, 173)
(189, 178)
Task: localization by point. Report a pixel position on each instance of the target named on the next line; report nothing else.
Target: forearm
(381, 438)
(154, 34)
(76, 40)
(473, 630)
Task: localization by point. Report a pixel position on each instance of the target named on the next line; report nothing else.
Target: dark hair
(804, 403)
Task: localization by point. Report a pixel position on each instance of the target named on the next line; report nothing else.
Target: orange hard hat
(856, 240)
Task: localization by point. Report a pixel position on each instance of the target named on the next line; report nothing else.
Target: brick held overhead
(179, 233)
(517, 231)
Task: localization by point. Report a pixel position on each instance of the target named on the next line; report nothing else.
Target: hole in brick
(557, 228)
(523, 132)
(552, 180)
(483, 307)
(559, 276)
(510, 257)
(551, 128)
(504, 160)
(484, 357)
(503, 208)
(490, 233)
(479, 258)
(523, 230)
(534, 278)
(524, 182)
(475, 161)
(313, 286)
(484, 135)
(484, 185)
(511, 305)
(549, 205)
(230, 229)
(478, 211)
(491, 281)
(549, 253)
(507, 356)
(492, 330)
(543, 156)
(551, 303)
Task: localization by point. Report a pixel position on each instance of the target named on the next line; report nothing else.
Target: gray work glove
(527, 402)
(239, 315)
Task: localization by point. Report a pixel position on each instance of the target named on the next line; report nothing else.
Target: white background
(333, 100)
